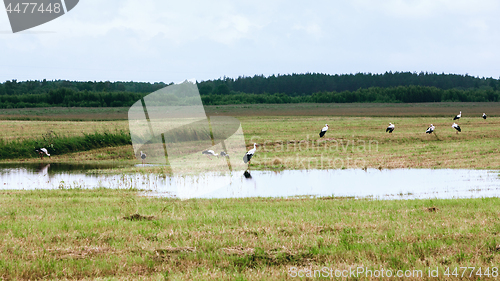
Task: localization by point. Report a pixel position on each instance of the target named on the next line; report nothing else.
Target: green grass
(78, 234)
(57, 144)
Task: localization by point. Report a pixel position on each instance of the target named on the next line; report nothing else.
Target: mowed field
(438, 109)
(288, 138)
(98, 235)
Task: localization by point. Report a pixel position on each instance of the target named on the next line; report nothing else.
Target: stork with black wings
(250, 154)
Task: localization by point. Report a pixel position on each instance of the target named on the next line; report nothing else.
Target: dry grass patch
(80, 252)
(238, 251)
(431, 209)
(138, 217)
(175, 250)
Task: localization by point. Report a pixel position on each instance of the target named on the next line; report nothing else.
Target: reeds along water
(58, 144)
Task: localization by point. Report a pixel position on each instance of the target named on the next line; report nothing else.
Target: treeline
(310, 83)
(294, 88)
(70, 98)
(14, 87)
(403, 94)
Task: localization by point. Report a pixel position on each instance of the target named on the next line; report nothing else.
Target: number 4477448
(34, 8)
(471, 271)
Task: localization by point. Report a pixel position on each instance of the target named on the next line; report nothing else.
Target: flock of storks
(251, 152)
(210, 152)
(246, 158)
(429, 130)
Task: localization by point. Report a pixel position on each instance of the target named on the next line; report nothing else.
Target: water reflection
(247, 174)
(385, 184)
(54, 168)
(43, 169)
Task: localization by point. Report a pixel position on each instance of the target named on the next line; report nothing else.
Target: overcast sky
(170, 41)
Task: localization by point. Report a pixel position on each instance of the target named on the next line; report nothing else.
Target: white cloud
(313, 29)
(423, 9)
(170, 41)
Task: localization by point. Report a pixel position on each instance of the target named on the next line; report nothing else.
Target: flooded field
(379, 184)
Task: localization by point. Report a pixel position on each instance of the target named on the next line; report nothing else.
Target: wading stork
(250, 154)
(390, 128)
(323, 131)
(430, 129)
(209, 153)
(143, 157)
(41, 152)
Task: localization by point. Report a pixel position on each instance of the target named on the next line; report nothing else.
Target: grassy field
(89, 235)
(106, 234)
(289, 140)
(65, 113)
(438, 109)
(21, 129)
(358, 142)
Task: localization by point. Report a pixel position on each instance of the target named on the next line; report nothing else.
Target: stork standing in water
(323, 131)
(143, 157)
(458, 116)
(209, 153)
(484, 116)
(41, 152)
(456, 127)
(250, 154)
(390, 128)
(430, 129)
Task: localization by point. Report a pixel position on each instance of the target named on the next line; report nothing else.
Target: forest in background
(405, 87)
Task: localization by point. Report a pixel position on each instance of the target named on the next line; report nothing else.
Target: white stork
(209, 153)
(143, 157)
(323, 131)
(484, 115)
(458, 116)
(250, 154)
(41, 152)
(430, 129)
(224, 154)
(456, 127)
(390, 128)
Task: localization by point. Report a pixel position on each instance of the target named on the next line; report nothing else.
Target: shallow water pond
(381, 184)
